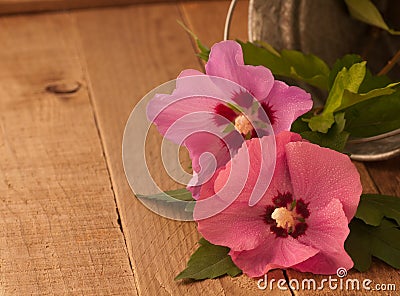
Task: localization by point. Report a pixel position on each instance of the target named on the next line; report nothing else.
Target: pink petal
(226, 60)
(319, 175)
(327, 232)
(238, 227)
(192, 122)
(241, 175)
(194, 92)
(165, 110)
(207, 152)
(226, 186)
(233, 186)
(187, 117)
(190, 72)
(272, 253)
(207, 190)
(282, 139)
(202, 142)
(288, 103)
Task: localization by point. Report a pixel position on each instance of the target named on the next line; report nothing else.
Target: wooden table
(69, 223)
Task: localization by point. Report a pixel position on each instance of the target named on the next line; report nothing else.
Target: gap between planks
(148, 72)
(106, 161)
(194, 13)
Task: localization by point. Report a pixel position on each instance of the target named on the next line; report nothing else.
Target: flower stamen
(243, 125)
(287, 216)
(284, 218)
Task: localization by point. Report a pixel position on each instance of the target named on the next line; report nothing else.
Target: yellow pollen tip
(283, 217)
(243, 125)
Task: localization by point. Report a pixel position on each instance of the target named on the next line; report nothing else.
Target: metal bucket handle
(229, 19)
(229, 16)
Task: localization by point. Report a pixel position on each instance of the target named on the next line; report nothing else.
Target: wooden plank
(28, 6)
(208, 20)
(386, 175)
(134, 61)
(59, 231)
(128, 52)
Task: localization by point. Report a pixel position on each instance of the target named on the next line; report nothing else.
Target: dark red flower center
(224, 111)
(240, 121)
(287, 216)
(269, 111)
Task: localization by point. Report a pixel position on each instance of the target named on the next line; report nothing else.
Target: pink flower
(301, 222)
(210, 115)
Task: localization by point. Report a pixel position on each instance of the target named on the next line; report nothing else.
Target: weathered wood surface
(29, 6)
(59, 230)
(143, 55)
(65, 193)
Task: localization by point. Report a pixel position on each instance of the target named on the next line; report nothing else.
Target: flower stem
(390, 64)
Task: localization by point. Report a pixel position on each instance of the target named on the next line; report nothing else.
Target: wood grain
(149, 49)
(59, 231)
(207, 20)
(135, 60)
(29, 6)
(68, 82)
(386, 175)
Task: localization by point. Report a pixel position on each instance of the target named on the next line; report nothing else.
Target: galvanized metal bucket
(324, 28)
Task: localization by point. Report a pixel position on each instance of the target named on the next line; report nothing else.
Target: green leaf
(235, 107)
(366, 11)
(204, 50)
(346, 61)
(190, 207)
(321, 123)
(287, 63)
(373, 207)
(267, 46)
(374, 117)
(209, 261)
(306, 67)
(357, 245)
(386, 243)
(373, 81)
(370, 81)
(255, 55)
(230, 127)
(346, 79)
(170, 196)
(365, 241)
(300, 125)
(336, 138)
(351, 98)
